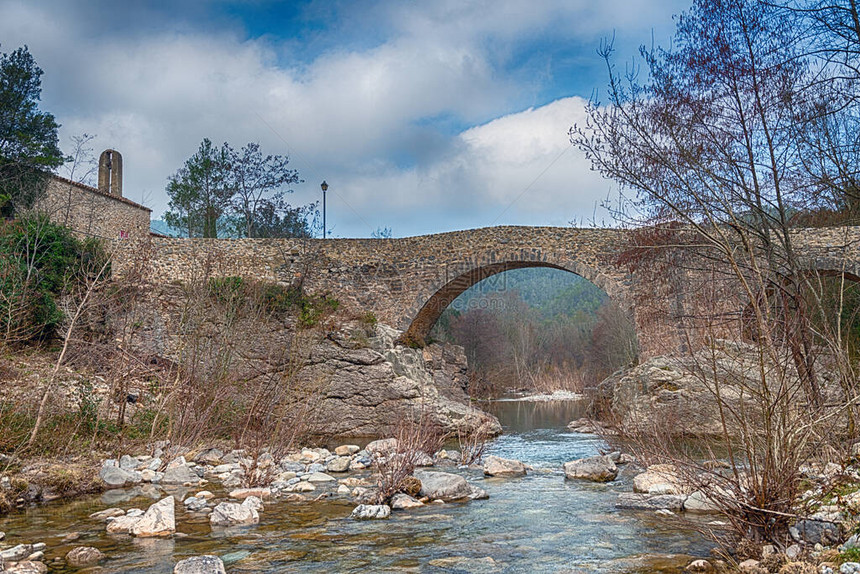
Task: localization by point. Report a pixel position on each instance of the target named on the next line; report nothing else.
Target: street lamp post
(323, 187)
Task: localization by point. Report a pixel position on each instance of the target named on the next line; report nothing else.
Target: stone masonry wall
(408, 282)
(89, 212)
(398, 278)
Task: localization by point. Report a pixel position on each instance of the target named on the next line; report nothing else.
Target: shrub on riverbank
(39, 262)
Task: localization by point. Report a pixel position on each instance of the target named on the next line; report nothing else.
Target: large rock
(680, 389)
(699, 502)
(209, 456)
(243, 493)
(230, 513)
(382, 446)
(118, 477)
(205, 564)
(816, 532)
(16, 553)
(128, 462)
(504, 467)
(368, 389)
(178, 472)
(477, 493)
(83, 556)
(303, 486)
(339, 464)
(583, 426)
(122, 524)
(402, 501)
(254, 502)
(700, 567)
(443, 485)
(194, 503)
(107, 513)
(658, 479)
(27, 567)
(593, 468)
(320, 477)
(158, 521)
(636, 501)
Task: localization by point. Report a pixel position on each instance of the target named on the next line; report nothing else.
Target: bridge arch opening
(429, 313)
(530, 325)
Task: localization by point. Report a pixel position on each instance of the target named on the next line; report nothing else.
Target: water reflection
(519, 416)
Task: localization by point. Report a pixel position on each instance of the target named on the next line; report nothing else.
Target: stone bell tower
(110, 172)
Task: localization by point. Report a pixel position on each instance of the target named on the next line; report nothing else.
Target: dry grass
(558, 379)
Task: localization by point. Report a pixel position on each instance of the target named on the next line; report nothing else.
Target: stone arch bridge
(408, 282)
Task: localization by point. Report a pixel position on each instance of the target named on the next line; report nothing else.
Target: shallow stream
(540, 523)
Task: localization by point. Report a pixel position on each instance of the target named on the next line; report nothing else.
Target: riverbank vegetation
(82, 351)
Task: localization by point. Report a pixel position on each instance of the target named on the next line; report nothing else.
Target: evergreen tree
(200, 192)
(29, 146)
(224, 192)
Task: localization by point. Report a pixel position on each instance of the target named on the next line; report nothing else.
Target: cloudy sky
(423, 116)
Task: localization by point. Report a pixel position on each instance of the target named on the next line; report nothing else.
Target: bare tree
(259, 182)
(77, 298)
(714, 149)
(81, 167)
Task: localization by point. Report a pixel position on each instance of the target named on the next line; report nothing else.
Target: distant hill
(552, 291)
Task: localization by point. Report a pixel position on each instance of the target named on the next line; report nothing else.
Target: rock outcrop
(366, 388)
(353, 380)
(677, 392)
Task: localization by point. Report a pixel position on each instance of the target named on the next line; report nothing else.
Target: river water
(540, 523)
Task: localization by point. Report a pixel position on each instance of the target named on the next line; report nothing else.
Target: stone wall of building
(121, 224)
(92, 213)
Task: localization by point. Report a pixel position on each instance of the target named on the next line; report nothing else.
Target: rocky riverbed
(534, 519)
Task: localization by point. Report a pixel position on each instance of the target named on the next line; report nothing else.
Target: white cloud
(358, 118)
(517, 169)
